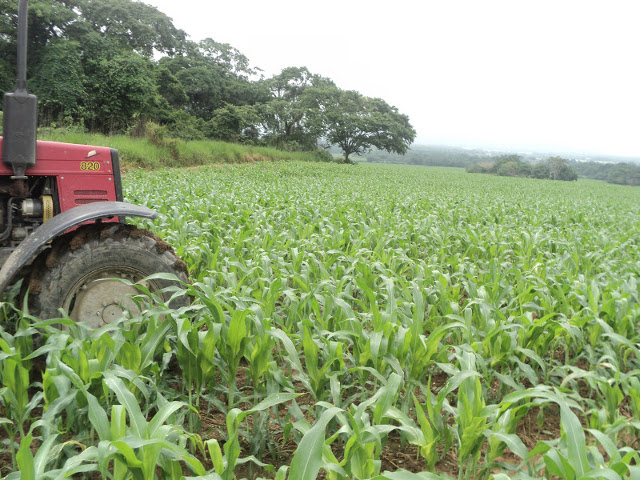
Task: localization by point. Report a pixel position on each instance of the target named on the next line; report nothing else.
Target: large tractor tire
(79, 272)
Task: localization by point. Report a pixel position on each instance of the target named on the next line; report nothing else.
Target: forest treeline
(479, 161)
(554, 168)
(114, 66)
(619, 173)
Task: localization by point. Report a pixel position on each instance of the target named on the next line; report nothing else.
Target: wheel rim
(99, 298)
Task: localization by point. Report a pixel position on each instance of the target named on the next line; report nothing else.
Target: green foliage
(340, 314)
(560, 170)
(184, 126)
(227, 57)
(120, 88)
(514, 169)
(619, 173)
(59, 99)
(609, 169)
(131, 25)
(541, 171)
(7, 76)
(624, 174)
(234, 124)
(555, 168)
(430, 155)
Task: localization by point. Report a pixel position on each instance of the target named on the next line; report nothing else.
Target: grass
(145, 152)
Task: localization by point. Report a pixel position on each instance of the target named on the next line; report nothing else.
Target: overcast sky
(540, 75)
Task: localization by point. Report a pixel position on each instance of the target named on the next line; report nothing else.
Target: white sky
(543, 75)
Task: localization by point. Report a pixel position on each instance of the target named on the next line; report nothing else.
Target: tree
(204, 87)
(514, 169)
(227, 57)
(477, 168)
(131, 25)
(541, 170)
(502, 160)
(170, 87)
(291, 116)
(59, 81)
(121, 88)
(233, 123)
(624, 174)
(357, 124)
(560, 170)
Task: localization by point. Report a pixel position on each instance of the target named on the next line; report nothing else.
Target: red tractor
(62, 219)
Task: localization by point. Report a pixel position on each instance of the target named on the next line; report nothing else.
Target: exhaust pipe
(20, 111)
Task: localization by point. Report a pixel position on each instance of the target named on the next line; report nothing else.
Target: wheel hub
(101, 299)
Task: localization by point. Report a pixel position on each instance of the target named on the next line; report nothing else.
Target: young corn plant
(14, 395)
(195, 352)
(364, 429)
(474, 416)
(224, 464)
(37, 467)
(132, 446)
(233, 338)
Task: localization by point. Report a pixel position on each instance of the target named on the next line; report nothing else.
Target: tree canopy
(115, 65)
(357, 124)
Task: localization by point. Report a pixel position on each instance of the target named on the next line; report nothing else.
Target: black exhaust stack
(20, 121)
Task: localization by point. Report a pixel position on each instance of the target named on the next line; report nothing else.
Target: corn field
(349, 322)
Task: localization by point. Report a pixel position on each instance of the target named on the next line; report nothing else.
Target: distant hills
(609, 168)
(448, 156)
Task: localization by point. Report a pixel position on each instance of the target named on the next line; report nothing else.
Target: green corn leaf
(272, 400)
(98, 417)
(607, 444)
(386, 398)
(307, 460)
(163, 414)
(512, 441)
(118, 428)
(127, 452)
(216, 455)
(576, 444)
(150, 346)
(126, 398)
(289, 348)
(25, 460)
(558, 466)
(237, 331)
(282, 473)
(605, 473)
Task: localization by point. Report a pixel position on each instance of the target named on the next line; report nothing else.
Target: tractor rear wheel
(79, 273)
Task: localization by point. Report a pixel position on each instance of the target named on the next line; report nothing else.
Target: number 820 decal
(93, 166)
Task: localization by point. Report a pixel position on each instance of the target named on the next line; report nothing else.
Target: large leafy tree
(560, 170)
(291, 117)
(212, 75)
(131, 25)
(47, 22)
(203, 86)
(60, 98)
(357, 124)
(230, 59)
(121, 88)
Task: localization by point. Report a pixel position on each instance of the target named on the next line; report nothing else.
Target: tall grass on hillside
(155, 151)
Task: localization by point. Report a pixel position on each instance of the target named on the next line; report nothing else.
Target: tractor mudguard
(30, 246)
